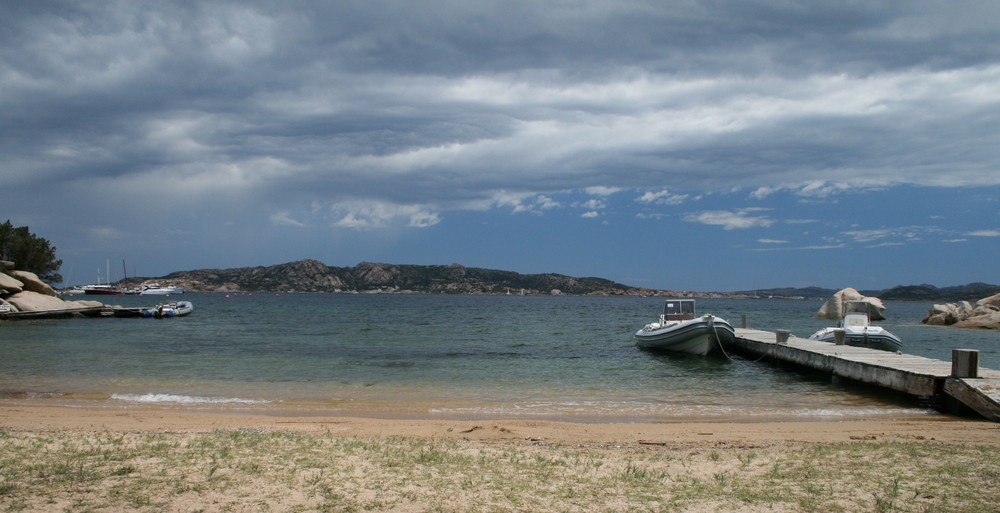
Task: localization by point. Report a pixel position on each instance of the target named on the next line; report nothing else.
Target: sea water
(448, 356)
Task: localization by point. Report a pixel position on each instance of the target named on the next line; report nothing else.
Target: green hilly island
(315, 276)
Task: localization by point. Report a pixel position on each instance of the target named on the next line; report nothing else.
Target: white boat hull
(178, 309)
(699, 336)
(873, 337)
(160, 291)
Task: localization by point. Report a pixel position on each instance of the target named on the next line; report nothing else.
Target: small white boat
(681, 331)
(175, 309)
(858, 330)
(155, 289)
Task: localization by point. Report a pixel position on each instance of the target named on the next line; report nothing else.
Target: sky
(706, 145)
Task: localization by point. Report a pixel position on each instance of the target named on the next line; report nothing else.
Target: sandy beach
(35, 415)
(60, 457)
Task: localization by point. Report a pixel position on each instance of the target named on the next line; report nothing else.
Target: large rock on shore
(10, 285)
(33, 283)
(985, 314)
(23, 291)
(28, 301)
(834, 307)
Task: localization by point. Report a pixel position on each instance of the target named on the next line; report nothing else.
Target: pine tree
(28, 252)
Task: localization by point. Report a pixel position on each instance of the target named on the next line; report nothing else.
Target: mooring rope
(723, 347)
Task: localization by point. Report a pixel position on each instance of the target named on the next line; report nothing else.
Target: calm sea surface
(444, 356)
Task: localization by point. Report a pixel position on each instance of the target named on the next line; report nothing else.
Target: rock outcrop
(834, 307)
(33, 283)
(10, 284)
(28, 301)
(985, 314)
(23, 291)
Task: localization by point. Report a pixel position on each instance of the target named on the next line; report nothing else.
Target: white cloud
(772, 241)
(371, 215)
(602, 190)
(730, 220)
(663, 197)
(505, 199)
(822, 188)
(528, 202)
(906, 233)
(802, 248)
(594, 204)
(424, 219)
(868, 235)
(984, 233)
(545, 203)
(283, 218)
(590, 214)
(352, 220)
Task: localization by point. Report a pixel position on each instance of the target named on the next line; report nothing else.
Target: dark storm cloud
(471, 105)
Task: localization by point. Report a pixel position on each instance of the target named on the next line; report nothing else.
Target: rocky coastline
(985, 314)
(23, 291)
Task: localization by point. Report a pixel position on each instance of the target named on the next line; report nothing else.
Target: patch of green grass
(280, 471)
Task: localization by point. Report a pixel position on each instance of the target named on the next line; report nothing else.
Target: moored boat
(680, 330)
(858, 331)
(101, 289)
(155, 289)
(174, 309)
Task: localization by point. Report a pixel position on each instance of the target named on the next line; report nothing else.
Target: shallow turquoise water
(424, 355)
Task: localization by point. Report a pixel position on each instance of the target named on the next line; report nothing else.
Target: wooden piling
(964, 363)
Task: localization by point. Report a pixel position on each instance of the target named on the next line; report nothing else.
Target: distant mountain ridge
(315, 276)
(969, 292)
(924, 292)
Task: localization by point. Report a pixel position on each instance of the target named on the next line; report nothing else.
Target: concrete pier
(944, 382)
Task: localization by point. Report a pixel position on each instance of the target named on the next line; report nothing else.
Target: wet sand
(43, 415)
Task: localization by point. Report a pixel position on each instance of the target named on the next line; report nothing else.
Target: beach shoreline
(43, 415)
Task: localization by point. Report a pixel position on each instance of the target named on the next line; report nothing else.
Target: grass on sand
(284, 471)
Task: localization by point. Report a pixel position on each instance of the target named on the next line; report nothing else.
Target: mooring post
(781, 336)
(840, 336)
(964, 363)
(744, 320)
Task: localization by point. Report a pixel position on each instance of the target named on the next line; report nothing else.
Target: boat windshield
(857, 307)
(678, 309)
